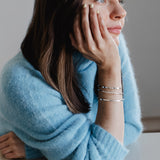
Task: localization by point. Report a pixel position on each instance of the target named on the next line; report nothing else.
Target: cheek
(105, 16)
(88, 2)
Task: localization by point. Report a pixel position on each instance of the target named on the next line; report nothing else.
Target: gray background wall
(143, 36)
(141, 32)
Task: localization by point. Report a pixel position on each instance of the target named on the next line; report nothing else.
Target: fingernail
(84, 5)
(91, 5)
(98, 12)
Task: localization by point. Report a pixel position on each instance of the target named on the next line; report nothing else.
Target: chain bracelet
(116, 93)
(111, 100)
(101, 86)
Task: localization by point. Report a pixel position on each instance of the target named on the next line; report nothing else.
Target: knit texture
(38, 115)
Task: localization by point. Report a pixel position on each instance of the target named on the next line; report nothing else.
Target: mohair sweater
(38, 115)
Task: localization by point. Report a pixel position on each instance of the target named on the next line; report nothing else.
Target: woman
(70, 93)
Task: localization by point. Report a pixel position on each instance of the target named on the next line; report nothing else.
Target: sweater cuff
(32, 153)
(113, 149)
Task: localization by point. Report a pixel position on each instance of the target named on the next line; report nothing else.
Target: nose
(117, 12)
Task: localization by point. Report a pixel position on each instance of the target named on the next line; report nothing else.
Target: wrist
(110, 72)
(111, 77)
(110, 67)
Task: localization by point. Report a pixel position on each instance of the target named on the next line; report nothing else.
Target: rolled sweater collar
(87, 70)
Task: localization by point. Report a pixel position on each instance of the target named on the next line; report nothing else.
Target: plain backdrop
(141, 32)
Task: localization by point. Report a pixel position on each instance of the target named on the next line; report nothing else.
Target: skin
(112, 13)
(11, 146)
(92, 38)
(96, 43)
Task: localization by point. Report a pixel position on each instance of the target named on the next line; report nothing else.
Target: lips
(115, 30)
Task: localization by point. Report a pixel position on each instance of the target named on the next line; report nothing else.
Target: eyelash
(120, 1)
(101, 1)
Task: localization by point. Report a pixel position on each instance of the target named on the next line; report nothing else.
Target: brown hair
(48, 48)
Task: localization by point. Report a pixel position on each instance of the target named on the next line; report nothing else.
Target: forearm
(110, 115)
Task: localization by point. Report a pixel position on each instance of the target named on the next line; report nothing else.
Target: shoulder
(20, 79)
(18, 70)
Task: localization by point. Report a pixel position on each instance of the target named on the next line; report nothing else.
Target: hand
(11, 146)
(93, 40)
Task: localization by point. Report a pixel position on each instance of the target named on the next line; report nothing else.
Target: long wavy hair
(48, 48)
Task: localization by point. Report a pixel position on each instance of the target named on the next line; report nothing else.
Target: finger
(10, 155)
(104, 32)
(73, 42)
(86, 26)
(6, 150)
(4, 138)
(95, 25)
(77, 33)
(4, 145)
(15, 154)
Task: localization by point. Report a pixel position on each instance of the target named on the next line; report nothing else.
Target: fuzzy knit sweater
(38, 115)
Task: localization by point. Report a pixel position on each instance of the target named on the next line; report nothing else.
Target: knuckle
(6, 156)
(3, 152)
(73, 45)
(91, 47)
(75, 29)
(12, 134)
(16, 155)
(93, 26)
(110, 41)
(83, 51)
(99, 61)
(72, 42)
(83, 16)
(100, 46)
(76, 24)
(93, 13)
(84, 25)
(13, 147)
(9, 155)
(11, 140)
(79, 46)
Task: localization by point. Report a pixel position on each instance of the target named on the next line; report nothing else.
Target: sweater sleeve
(132, 108)
(38, 115)
(32, 153)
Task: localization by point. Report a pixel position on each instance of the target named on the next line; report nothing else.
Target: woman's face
(112, 13)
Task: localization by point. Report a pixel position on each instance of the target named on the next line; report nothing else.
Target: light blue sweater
(38, 115)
